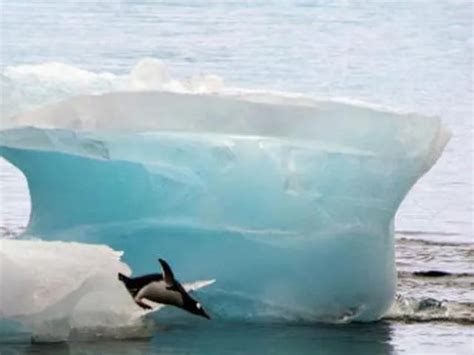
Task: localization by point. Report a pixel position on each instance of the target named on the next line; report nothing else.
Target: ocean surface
(408, 55)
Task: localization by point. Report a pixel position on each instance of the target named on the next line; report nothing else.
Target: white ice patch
(37, 275)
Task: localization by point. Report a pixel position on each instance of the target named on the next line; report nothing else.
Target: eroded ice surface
(287, 201)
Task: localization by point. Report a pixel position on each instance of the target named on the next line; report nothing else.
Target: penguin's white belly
(157, 292)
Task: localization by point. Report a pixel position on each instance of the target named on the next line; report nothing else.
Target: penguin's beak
(204, 314)
(198, 310)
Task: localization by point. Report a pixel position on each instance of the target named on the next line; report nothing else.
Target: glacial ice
(288, 202)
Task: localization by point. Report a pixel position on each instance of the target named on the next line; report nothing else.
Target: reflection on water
(233, 338)
(189, 336)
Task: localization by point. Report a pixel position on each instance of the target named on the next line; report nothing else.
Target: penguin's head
(196, 308)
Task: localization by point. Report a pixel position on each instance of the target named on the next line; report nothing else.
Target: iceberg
(288, 202)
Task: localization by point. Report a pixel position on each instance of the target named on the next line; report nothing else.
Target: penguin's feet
(142, 304)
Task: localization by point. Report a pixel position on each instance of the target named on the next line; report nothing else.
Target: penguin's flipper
(167, 273)
(196, 285)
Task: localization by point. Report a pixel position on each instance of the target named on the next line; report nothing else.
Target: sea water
(413, 56)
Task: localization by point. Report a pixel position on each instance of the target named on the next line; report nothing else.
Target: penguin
(161, 288)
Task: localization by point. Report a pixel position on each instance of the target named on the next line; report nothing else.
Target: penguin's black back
(135, 284)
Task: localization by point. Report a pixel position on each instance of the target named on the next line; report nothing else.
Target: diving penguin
(161, 288)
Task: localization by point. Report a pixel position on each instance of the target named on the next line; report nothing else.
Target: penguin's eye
(198, 305)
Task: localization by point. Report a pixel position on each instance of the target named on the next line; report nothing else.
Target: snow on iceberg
(28, 86)
(288, 202)
(56, 291)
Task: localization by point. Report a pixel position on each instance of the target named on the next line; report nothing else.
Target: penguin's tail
(123, 278)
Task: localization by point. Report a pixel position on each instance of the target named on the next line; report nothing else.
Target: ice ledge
(347, 124)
